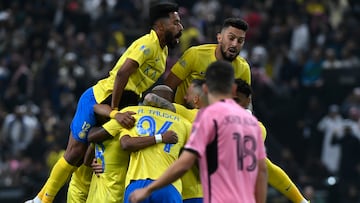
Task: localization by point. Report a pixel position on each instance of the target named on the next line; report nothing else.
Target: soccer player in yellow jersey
(194, 62)
(109, 186)
(150, 162)
(138, 68)
(194, 99)
(147, 164)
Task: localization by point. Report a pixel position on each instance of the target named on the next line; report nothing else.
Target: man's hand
(139, 195)
(169, 137)
(97, 168)
(126, 119)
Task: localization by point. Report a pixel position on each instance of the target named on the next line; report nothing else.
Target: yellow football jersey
(153, 161)
(193, 64)
(110, 186)
(191, 179)
(146, 51)
(189, 114)
(263, 130)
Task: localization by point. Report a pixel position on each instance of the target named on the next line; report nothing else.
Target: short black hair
(161, 10)
(198, 82)
(219, 77)
(237, 23)
(243, 87)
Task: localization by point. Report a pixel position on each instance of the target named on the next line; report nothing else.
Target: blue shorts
(84, 118)
(193, 200)
(167, 194)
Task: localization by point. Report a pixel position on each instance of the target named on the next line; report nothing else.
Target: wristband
(113, 113)
(158, 138)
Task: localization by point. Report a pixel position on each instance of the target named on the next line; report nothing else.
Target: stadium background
(304, 57)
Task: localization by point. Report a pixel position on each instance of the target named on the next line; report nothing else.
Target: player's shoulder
(189, 114)
(240, 61)
(149, 40)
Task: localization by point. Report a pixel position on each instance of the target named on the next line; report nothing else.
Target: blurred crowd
(304, 57)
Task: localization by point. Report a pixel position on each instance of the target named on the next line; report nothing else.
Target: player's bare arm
(261, 182)
(125, 119)
(172, 81)
(129, 143)
(122, 77)
(98, 134)
(154, 100)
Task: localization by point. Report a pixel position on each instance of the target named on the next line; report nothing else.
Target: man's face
(173, 30)
(242, 100)
(190, 97)
(231, 40)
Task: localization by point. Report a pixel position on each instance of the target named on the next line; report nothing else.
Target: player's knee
(75, 152)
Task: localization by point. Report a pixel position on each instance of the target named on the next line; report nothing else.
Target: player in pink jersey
(226, 141)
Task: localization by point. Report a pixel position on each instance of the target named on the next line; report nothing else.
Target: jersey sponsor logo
(145, 49)
(84, 130)
(182, 62)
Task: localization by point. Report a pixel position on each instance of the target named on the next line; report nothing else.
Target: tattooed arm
(154, 100)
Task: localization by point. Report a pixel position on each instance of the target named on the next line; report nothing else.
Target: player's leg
(80, 180)
(79, 185)
(278, 179)
(82, 122)
(62, 170)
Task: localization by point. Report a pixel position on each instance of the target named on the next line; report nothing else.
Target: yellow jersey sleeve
(183, 67)
(112, 127)
(189, 114)
(242, 69)
(263, 130)
(151, 58)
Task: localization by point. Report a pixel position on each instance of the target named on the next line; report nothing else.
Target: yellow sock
(42, 192)
(278, 179)
(60, 173)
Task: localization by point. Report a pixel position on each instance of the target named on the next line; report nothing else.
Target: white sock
(304, 201)
(37, 200)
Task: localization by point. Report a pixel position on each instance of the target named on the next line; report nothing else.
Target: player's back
(229, 170)
(151, 162)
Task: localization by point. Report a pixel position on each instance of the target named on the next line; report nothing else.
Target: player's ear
(160, 24)
(196, 99)
(218, 36)
(205, 88)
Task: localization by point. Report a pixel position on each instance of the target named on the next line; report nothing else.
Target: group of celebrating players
(165, 145)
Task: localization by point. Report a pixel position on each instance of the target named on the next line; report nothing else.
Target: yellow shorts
(109, 187)
(79, 185)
